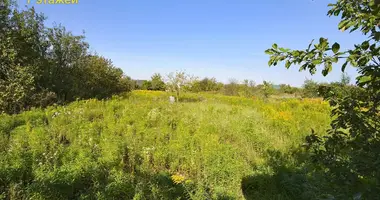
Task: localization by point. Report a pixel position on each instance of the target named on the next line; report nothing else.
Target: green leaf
(317, 61)
(312, 70)
(354, 63)
(335, 47)
(328, 68)
(295, 53)
(336, 13)
(322, 41)
(344, 66)
(284, 50)
(363, 61)
(287, 64)
(364, 79)
(269, 52)
(324, 72)
(342, 25)
(376, 36)
(281, 58)
(274, 46)
(270, 62)
(372, 47)
(365, 45)
(303, 67)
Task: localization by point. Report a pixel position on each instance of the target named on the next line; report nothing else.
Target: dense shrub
(156, 83)
(206, 85)
(41, 65)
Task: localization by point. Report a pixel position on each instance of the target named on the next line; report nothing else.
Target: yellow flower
(177, 178)
(284, 115)
(364, 109)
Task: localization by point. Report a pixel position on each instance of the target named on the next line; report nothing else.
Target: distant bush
(246, 88)
(287, 89)
(206, 85)
(310, 89)
(156, 83)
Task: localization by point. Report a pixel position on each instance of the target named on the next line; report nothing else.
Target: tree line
(182, 82)
(42, 65)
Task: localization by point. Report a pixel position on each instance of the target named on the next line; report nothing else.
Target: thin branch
(374, 60)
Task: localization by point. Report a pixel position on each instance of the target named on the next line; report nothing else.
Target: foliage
(248, 88)
(206, 85)
(179, 81)
(143, 147)
(349, 154)
(267, 89)
(232, 88)
(245, 89)
(156, 83)
(41, 65)
(146, 85)
(287, 89)
(310, 89)
(345, 79)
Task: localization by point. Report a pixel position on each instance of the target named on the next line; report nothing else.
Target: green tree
(232, 88)
(67, 54)
(22, 61)
(247, 88)
(40, 65)
(97, 77)
(287, 89)
(146, 85)
(345, 79)
(268, 89)
(310, 89)
(206, 85)
(157, 82)
(349, 153)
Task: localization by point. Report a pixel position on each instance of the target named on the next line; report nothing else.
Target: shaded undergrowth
(293, 175)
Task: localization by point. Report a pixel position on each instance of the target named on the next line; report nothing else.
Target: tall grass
(142, 147)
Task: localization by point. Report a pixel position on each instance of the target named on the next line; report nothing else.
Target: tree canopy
(349, 153)
(41, 65)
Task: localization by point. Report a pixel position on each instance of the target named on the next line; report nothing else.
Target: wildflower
(55, 114)
(178, 179)
(284, 115)
(364, 109)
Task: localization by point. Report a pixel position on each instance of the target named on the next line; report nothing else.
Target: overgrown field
(142, 147)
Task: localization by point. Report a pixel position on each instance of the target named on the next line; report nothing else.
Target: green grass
(142, 147)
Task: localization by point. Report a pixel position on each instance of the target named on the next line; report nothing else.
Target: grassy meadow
(139, 146)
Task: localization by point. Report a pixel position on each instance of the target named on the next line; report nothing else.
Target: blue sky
(213, 38)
